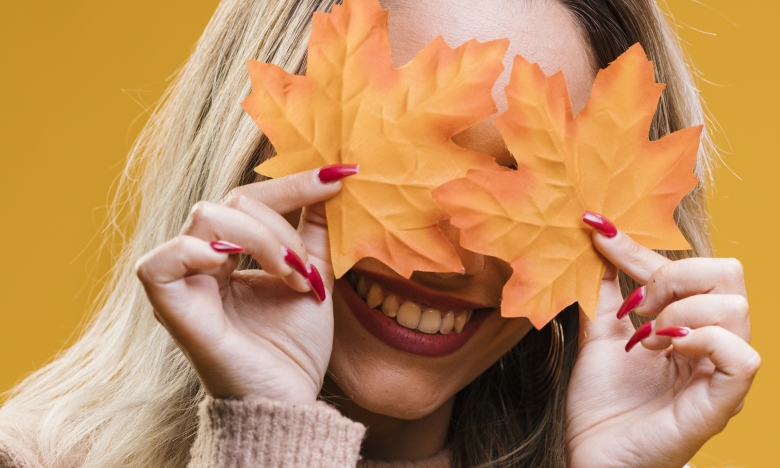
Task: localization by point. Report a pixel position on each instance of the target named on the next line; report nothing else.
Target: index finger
(621, 250)
(289, 193)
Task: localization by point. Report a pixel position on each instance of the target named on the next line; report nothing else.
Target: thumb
(622, 253)
(605, 326)
(621, 250)
(313, 229)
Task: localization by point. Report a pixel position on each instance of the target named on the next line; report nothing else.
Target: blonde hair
(123, 394)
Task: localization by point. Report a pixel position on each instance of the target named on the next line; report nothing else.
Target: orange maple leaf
(353, 107)
(601, 161)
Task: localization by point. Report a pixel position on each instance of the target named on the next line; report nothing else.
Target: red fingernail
(315, 280)
(336, 172)
(674, 332)
(294, 261)
(640, 334)
(600, 224)
(633, 301)
(226, 247)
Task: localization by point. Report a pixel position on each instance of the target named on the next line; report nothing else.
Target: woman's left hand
(656, 405)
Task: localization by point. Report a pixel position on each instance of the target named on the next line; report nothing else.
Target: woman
(233, 375)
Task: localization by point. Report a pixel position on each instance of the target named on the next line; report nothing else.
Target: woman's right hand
(251, 332)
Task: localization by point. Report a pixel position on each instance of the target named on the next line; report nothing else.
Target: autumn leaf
(600, 161)
(353, 107)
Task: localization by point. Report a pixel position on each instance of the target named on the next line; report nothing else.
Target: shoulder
(17, 442)
(9, 460)
(14, 454)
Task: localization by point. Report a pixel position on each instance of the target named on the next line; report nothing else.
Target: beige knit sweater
(260, 433)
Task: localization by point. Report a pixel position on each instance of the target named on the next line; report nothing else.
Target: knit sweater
(261, 433)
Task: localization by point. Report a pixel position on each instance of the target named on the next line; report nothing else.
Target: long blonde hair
(123, 394)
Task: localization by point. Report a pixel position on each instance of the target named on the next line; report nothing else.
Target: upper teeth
(375, 296)
(408, 313)
(390, 306)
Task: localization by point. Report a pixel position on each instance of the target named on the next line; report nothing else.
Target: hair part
(124, 395)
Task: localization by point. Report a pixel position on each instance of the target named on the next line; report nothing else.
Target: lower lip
(391, 333)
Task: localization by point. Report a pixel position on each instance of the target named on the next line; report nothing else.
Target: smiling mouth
(426, 322)
(407, 312)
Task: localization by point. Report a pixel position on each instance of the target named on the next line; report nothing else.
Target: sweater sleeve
(262, 432)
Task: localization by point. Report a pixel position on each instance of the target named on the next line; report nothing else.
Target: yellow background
(76, 79)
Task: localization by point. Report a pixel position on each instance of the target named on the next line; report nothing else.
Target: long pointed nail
(640, 334)
(601, 224)
(292, 259)
(315, 280)
(674, 332)
(225, 247)
(633, 301)
(336, 172)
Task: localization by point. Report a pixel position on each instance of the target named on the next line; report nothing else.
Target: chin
(390, 390)
(391, 369)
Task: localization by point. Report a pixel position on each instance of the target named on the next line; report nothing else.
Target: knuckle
(142, 268)
(288, 190)
(145, 266)
(661, 277)
(753, 363)
(634, 252)
(739, 305)
(232, 198)
(733, 269)
(242, 203)
(664, 285)
(738, 409)
(200, 211)
(237, 201)
(178, 242)
(670, 270)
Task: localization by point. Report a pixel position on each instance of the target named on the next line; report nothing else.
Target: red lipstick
(391, 333)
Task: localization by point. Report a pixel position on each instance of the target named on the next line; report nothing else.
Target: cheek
(402, 385)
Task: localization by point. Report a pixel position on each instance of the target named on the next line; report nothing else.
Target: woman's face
(380, 364)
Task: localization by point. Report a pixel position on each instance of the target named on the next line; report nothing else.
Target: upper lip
(420, 294)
